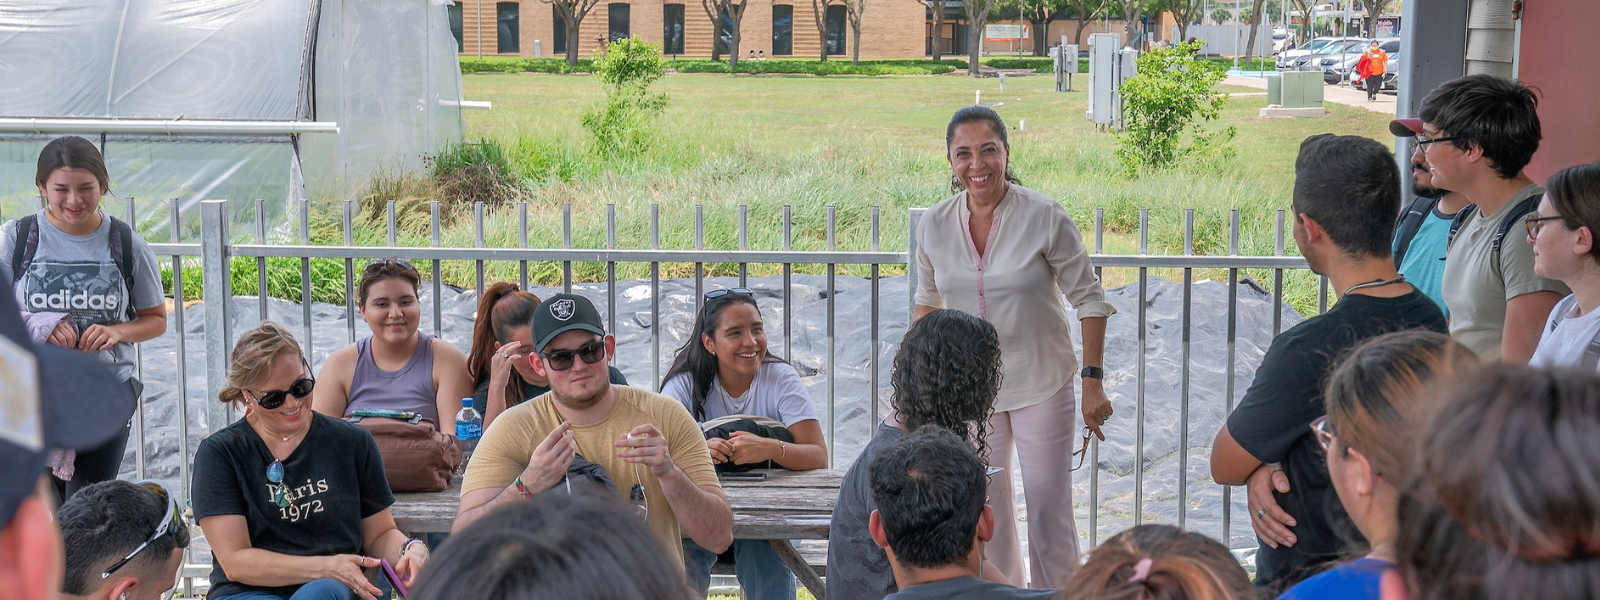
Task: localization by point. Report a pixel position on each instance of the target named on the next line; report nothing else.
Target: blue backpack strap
(1409, 223)
(26, 239)
(122, 256)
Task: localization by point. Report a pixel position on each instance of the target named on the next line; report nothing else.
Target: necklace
(1373, 283)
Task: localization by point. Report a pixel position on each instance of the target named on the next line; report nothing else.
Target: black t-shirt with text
(335, 479)
(1272, 423)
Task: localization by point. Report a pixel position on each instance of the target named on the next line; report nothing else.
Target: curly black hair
(947, 374)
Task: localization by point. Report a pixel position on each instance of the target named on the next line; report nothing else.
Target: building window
(782, 30)
(617, 18)
(508, 32)
(560, 27)
(836, 29)
(456, 29)
(672, 30)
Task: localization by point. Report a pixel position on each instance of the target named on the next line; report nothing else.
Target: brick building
(889, 28)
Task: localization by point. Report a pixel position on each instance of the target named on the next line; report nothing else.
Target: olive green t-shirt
(1476, 290)
(508, 444)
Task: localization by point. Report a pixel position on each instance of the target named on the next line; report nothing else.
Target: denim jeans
(321, 589)
(761, 573)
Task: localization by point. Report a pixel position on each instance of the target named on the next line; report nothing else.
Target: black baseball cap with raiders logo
(561, 313)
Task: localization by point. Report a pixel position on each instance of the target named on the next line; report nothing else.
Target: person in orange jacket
(1370, 69)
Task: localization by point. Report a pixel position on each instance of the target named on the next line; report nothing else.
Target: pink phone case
(394, 579)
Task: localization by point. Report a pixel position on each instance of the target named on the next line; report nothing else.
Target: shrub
(620, 125)
(1168, 97)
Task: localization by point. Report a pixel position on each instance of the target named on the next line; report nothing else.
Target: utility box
(1299, 89)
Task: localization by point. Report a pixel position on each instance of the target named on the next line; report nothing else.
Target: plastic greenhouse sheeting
(384, 70)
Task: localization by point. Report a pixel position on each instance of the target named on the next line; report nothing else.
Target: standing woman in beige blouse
(1008, 254)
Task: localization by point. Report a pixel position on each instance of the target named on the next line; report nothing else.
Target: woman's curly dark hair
(947, 374)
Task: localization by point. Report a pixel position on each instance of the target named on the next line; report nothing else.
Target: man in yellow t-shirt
(647, 442)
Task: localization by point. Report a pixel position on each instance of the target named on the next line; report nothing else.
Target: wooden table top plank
(786, 505)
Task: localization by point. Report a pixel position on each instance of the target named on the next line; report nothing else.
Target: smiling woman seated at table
(724, 369)
(293, 503)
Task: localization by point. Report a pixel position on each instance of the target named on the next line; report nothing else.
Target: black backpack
(27, 245)
(1527, 205)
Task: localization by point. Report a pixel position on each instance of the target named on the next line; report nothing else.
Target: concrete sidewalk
(1385, 104)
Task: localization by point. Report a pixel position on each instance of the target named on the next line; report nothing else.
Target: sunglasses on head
(169, 522)
(560, 360)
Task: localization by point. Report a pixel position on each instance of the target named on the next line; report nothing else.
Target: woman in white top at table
(1562, 232)
(1007, 254)
(724, 369)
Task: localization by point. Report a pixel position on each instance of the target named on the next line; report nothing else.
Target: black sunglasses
(172, 520)
(300, 389)
(591, 353)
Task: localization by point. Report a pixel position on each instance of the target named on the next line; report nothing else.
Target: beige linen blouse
(1032, 243)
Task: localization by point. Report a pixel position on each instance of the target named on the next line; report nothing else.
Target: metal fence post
(216, 283)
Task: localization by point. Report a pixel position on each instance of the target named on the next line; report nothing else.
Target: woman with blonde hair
(293, 503)
(1151, 562)
(1377, 398)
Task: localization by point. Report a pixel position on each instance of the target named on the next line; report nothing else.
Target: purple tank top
(409, 389)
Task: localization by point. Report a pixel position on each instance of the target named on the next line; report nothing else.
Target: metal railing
(216, 249)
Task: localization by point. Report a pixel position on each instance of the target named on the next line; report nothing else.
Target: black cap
(50, 397)
(561, 313)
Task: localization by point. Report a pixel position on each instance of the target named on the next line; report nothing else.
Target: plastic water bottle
(469, 427)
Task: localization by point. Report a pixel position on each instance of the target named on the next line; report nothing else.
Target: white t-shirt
(1563, 345)
(776, 393)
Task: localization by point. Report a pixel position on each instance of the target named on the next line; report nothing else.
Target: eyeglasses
(384, 262)
(561, 360)
(170, 521)
(1084, 451)
(1423, 142)
(300, 389)
(280, 492)
(1324, 432)
(1534, 224)
(714, 294)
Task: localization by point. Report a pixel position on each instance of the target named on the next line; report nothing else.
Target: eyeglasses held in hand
(169, 521)
(561, 360)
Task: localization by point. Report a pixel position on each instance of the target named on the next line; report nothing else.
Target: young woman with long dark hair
(92, 274)
(725, 369)
(946, 374)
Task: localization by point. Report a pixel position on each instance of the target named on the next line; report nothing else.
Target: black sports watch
(1092, 373)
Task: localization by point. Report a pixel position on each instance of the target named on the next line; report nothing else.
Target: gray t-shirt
(968, 588)
(857, 568)
(75, 275)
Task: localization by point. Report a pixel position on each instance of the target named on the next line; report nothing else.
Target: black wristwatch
(1092, 373)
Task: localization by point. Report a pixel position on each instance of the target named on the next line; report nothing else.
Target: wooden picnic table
(787, 505)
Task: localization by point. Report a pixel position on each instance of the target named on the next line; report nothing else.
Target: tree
(1186, 12)
(1255, 24)
(1374, 10)
(572, 13)
(853, 10)
(978, 13)
(1220, 15)
(725, 12)
(1088, 11)
(819, 10)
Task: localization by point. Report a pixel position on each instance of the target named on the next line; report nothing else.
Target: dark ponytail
(503, 308)
(701, 365)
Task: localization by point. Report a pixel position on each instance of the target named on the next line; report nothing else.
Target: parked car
(1329, 54)
(1336, 69)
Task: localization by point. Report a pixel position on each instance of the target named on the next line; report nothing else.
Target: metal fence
(217, 246)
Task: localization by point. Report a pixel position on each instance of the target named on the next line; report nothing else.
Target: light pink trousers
(1043, 435)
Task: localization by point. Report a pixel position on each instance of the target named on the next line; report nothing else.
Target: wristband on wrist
(521, 489)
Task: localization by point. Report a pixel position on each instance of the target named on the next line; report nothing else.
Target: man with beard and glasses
(1422, 235)
(646, 442)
